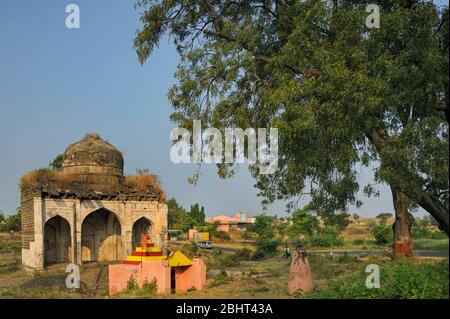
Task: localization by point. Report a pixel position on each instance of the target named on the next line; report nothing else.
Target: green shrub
(383, 234)
(438, 235)
(12, 223)
(325, 241)
(423, 231)
(358, 242)
(430, 244)
(399, 279)
(247, 235)
(150, 287)
(132, 284)
(259, 254)
(329, 236)
(346, 258)
(268, 245)
(265, 247)
(243, 254)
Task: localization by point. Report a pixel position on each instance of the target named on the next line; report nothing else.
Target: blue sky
(57, 84)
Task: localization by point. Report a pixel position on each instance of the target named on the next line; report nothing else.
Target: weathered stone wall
(108, 237)
(27, 219)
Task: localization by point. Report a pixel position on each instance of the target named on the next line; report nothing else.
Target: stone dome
(92, 155)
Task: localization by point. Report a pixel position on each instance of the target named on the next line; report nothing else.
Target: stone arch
(140, 226)
(57, 240)
(101, 236)
(117, 215)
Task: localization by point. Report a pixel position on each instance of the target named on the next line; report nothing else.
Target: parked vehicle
(204, 244)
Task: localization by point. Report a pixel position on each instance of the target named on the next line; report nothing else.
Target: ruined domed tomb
(88, 210)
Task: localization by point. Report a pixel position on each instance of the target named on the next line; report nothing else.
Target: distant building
(225, 223)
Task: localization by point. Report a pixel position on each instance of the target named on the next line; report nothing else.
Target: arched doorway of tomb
(101, 237)
(57, 241)
(141, 226)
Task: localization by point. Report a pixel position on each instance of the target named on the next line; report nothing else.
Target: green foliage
(355, 216)
(265, 247)
(56, 164)
(198, 214)
(2, 217)
(132, 284)
(150, 287)
(359, 242)
(422, 229)
(247, 235)
(178, 217)
(264, 226)
(327, 237)
(321, 240)
(341, 94)
(12, 223)
(303, 223)
(383, 233)
(431, 244)
(399, 279)
(243, 254)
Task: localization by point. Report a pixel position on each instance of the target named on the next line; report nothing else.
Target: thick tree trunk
(432, 205)
(424, 199)
(403, 223)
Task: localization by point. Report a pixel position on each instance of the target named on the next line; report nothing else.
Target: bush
(265, 247)
(383, 234)
(147, 289)
(243, 254)
(400, 279)
(325, 241)
(268, 245)
(359, 242)
(132, 284)
(422, 231)
(12, 223)
(150, 287)
(258, 254)
(329, 236)
(247, 235)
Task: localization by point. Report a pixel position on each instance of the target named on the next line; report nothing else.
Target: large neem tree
(341, 94)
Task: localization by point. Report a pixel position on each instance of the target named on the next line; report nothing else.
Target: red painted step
(148, 253)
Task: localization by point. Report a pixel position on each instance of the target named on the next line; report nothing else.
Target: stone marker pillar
(300, 277)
